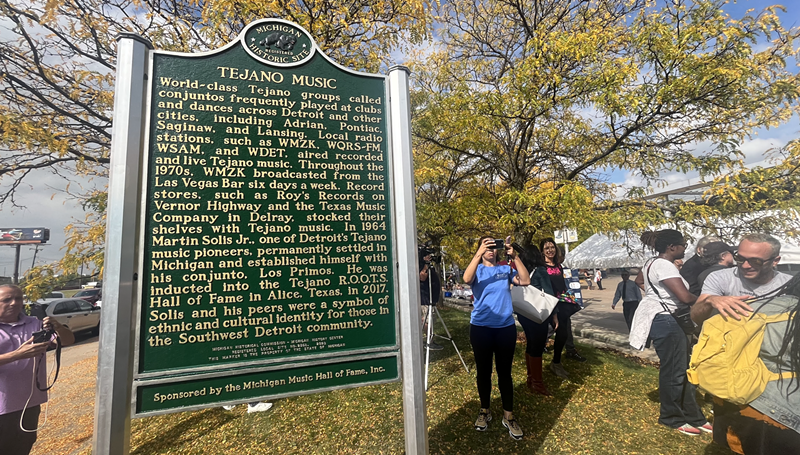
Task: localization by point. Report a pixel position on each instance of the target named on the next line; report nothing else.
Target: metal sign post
(115, 356)
(414, 409)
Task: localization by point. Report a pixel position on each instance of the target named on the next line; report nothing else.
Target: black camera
(426, 250)
(42, 336)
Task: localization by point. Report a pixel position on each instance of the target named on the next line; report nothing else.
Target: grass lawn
(610, 406)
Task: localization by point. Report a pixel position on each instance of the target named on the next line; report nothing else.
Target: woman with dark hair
(536, 334)
(769, 425)
(665, 291)
(553, 257)
(492, 331)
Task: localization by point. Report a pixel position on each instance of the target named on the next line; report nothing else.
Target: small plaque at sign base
(254, 386)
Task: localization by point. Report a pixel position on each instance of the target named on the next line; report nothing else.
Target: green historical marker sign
(267, 221)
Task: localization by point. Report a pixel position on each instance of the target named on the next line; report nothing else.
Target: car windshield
(87, 292)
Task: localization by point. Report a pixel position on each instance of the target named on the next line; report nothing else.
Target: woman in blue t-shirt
(492, 331)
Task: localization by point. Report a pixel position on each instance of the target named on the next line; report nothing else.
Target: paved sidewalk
(597, 324)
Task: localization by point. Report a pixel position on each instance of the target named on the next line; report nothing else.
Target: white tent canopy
(602, 252)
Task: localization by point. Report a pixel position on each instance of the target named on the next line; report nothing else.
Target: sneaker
(706, 428)
(513, 428)
(559, 371)
(688, 430)
(433, 346)
(484, 418)
(229, 407)
(259, 407)
(575, 356)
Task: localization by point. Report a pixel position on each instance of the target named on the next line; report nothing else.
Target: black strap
(58, 366)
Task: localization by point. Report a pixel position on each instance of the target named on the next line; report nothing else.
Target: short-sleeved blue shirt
(492, 305)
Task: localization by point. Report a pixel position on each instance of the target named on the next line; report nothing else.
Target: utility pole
(36, 250)
(15, 279)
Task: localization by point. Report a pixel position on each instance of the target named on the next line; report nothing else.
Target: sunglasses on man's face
(755, 262)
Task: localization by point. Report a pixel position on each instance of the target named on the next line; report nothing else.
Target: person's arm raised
(469, 273)
(523, 277)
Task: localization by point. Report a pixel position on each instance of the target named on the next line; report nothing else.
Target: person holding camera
(492, 332)
(20, 355)
(429, 286)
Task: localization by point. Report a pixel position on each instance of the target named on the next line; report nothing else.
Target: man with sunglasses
(727, 291)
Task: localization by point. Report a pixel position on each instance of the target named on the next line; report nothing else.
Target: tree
(547, 94)
(57, 77)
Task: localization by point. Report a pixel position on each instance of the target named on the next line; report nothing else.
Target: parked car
(77, 314)
(90, 295)
(50, 297)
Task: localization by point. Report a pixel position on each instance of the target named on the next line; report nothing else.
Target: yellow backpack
(726, 362)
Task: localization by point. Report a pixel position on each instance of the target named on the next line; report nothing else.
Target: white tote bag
(532, 303)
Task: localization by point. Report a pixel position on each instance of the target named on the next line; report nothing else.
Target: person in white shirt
(598, 278)
(665, 291)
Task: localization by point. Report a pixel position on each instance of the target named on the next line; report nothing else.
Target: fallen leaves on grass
(70, 411)
(603, 409)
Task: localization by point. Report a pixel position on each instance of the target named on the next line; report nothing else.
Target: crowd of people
(493, 333)
(664, 307)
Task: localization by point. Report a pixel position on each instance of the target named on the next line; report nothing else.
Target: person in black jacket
(693, 266)
(535, 333)
(716, 256)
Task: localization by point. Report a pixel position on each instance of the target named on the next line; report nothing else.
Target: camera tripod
(430, 334)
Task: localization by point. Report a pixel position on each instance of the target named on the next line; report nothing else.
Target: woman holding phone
(492, 330)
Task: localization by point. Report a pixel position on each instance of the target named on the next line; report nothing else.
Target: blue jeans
(677, 395)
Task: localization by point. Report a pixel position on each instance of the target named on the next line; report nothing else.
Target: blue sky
(47, 205)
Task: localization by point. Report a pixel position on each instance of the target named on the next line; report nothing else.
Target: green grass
(610, 406)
